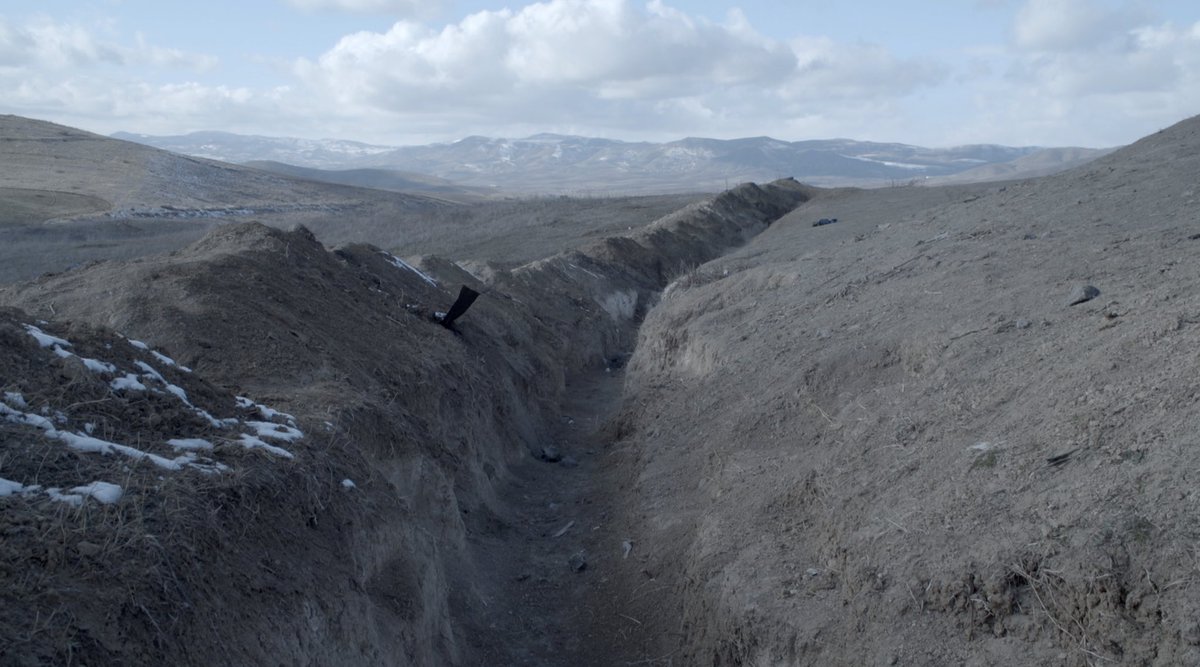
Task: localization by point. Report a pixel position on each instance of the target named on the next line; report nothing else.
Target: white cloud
(1073, 25)
(47, 45)
(608, 64)
(397, 7)
(1100, 74)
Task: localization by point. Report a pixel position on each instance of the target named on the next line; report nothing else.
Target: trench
(555, 561)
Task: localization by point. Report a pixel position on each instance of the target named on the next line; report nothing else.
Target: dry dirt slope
(341, 532)
(893, 440)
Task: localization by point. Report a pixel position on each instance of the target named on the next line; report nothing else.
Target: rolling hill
(551, 163)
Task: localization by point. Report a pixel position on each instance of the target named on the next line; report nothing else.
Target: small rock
(568, 462)
(1081, 294)
(1024, 324)
(88, 549)
(811, 572)
(578, 562)
(550, 454)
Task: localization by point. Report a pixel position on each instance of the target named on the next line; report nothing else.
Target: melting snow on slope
(150, 372)
(158, 355)
(276, 431)
(44, 339)
(252, 442)
(267, 413)
(103, 492)
(128, 382)
(59, 344)
(14, 406)
(401, 264)
(190, 443)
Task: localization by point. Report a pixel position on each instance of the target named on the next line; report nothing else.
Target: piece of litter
(563, 531)
(401, 264)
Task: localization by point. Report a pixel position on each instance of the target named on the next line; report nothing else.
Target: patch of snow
(251, 442)
(888, 163)
(149, 370)
(86, 443)
(348, 484)
(210, 468)
(63, 353)
(267, 413)
(15, 398)
(89, 427)
(97, 366)
(190, 443)
(169, 361)
(72, 499)
(179, 393)
(130, 381)
(18, 417)
(103, 492)
(276, 431)
(9, 487)
(44, 339)
(401, 264)
(138, 344)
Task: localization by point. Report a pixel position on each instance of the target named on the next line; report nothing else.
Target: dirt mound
(905, 439)
(362, 547)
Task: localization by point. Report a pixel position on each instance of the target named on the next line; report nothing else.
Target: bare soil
(893, 440)
(727, 437)
(420, 558)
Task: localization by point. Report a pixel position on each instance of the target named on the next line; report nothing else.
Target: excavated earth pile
(256, 450)
(959, 426)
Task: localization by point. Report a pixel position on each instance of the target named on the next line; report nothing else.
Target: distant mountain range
(571, 164)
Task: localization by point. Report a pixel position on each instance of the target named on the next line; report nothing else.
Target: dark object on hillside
(1081, 294)
(466, 297)
(1061, 458)
(824, 221)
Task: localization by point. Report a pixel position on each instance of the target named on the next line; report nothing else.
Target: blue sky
(931, 72)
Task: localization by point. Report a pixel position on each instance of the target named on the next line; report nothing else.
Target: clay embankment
(355, 549)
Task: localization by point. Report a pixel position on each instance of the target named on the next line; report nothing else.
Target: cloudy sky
(929, 72)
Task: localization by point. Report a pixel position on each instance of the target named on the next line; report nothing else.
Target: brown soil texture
(391, 533)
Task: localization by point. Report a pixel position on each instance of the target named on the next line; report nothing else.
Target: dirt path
(554, 558)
